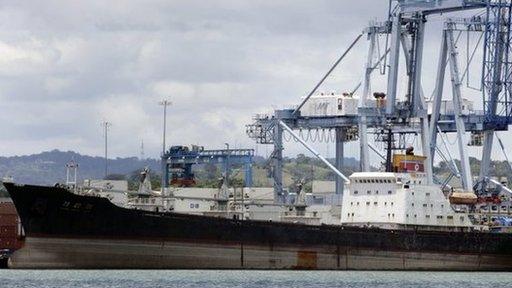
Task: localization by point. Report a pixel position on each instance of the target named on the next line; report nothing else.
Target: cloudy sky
(66, 66)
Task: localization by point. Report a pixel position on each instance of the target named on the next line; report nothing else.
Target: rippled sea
(247, 279)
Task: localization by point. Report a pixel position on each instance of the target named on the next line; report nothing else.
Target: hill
(47, 168)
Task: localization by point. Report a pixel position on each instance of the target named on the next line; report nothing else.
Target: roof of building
(373, 175)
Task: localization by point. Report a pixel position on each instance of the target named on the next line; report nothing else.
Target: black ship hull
(64, 230)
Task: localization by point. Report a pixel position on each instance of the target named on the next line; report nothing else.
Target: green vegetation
(498, 169)
(48, 168)
(134, 180)
(301, 169)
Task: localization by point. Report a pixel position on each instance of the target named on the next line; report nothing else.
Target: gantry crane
(406, 114)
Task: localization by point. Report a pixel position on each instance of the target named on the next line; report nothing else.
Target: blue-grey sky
(65, 66)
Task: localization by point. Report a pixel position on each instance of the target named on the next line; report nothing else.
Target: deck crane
(405, 29)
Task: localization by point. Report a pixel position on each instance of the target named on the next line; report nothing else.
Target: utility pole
(106, 125)
(164, 103)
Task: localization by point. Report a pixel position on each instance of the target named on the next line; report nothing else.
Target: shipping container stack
(11, 233)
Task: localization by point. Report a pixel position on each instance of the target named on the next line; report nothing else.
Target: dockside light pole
(106, 125)
(227, 164)
(164, 103)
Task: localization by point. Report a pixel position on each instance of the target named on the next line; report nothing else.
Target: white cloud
(67, 65)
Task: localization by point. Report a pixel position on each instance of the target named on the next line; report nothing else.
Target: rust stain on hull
(306, 260)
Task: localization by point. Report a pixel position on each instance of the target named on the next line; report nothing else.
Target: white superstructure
(398, 200)
(330, 104)
(448, 107)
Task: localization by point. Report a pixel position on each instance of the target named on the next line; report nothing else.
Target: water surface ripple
(247, 279)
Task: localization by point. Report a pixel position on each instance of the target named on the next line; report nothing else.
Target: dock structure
(183, 158)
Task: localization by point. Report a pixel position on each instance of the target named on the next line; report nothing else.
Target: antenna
(106, 125)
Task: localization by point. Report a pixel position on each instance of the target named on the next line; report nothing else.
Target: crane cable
(328, 73)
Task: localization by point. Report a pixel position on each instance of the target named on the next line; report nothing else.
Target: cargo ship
(390, 221)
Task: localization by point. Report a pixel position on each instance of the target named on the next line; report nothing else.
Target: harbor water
(247, 279)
